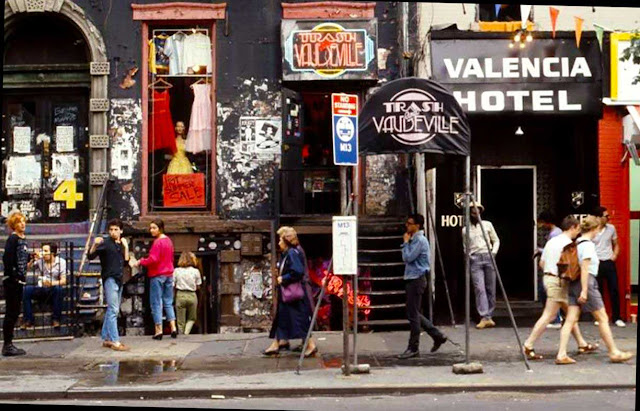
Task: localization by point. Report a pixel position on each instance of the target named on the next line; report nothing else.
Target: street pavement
(231, 365)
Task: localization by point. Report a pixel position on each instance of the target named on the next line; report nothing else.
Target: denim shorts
(594, 298)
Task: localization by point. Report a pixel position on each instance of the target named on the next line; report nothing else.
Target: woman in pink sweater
(159, 266)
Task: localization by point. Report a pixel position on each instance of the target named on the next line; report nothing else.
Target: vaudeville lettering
(329, 50)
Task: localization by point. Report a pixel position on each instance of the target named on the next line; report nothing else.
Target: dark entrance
(507, 193)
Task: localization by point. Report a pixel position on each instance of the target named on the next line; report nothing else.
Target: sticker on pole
(345, 245)
(344, 114)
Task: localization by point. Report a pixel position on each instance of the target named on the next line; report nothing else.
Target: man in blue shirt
(415, 254)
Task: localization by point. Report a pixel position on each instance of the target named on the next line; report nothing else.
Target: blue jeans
(112, 295)
(161, 295)
(52, 294)
(483, 277)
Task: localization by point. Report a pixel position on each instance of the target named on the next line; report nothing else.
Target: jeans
(112, 295)
(484, 284)
(415, 289)
(607, 272)
(161, 295)
(13, 298)
(51, 294)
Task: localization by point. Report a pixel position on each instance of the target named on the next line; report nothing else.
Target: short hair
(418, 219)
(547, 216)
(569, 222)
(289, 236)
(187, 259)
(115, 222)
(589, 223)
(14, 219)
(53, 247)
(159, 223)
(599, 211)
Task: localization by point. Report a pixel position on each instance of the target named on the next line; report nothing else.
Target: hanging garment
(180, 164)
(197, 51)
(199, 135)
(174, 49)
(158, 61)
(161, 133)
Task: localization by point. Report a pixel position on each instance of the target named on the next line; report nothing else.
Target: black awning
(413, 115)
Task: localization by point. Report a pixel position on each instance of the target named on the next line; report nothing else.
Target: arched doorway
(54, 111)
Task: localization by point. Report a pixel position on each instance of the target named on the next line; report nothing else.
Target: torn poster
(121, 162)
(54, 209)
(64, 139)
(260, 136)
(253, 283)
(23, 175)
(64, 166)
(22, 140)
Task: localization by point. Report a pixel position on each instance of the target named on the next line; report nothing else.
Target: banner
(578, 22)
(524, 15)
(599, 34)
(553, 13)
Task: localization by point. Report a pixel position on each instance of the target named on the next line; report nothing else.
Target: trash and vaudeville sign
(344, 116)
(413, 115)
(546, 76)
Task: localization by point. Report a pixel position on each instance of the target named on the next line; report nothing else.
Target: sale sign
(184, 190)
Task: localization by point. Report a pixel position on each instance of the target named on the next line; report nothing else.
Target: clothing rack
(184, 30)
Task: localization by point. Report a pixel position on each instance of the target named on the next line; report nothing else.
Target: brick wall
(614, 194)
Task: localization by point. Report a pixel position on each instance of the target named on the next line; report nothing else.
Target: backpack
(569, 264)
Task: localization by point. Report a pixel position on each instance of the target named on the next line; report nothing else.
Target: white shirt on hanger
(197, 51)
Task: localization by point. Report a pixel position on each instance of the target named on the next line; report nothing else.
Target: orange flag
(579, 22)
(553, 12)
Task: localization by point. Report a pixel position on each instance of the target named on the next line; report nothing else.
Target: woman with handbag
(293, 315)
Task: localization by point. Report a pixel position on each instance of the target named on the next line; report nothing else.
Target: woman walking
(15, 259)
(584, 295)
(187, 281)
(293, 314)
(160, 271)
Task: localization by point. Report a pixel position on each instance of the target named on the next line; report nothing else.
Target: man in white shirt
(546, 221)
(607, 249)
(482, 273)
(557, 289)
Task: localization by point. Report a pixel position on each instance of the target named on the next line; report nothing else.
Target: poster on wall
(23, 175)
(64, 139)
(22, 140)
(261, 136)
(184, 190)
(64, 166)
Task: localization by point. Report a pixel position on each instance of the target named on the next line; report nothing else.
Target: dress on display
(180, 164)
(161, 132)
(199, 136)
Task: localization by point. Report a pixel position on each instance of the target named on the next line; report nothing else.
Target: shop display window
(179, 111)
(499, 12)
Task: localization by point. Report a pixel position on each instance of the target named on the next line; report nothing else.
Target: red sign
(344, 105)
(184, 190)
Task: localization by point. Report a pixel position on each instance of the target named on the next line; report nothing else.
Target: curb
(104, 394)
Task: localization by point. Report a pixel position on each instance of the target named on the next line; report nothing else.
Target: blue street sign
(344, 111)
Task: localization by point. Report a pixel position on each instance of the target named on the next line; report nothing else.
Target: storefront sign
(344, 113)
(329, 50)
(547, 76)
(184, 190)
(413, 115)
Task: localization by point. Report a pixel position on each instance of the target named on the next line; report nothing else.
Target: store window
(499, 12)
(178, 105)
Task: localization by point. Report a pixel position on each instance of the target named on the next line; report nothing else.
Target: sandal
(531, 353)
(622, 357)
(585, 349)
(271, 353)
(565, 361)
(311, 353)
(284, 346)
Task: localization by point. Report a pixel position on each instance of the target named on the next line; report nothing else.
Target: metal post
(346, 369)
(343, 189)
(355, 321)
(504, 293)
(467, 268)
(421, 196)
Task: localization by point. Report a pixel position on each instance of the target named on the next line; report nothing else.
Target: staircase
(382, 272)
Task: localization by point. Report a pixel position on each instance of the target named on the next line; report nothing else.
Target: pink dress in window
(199, 135)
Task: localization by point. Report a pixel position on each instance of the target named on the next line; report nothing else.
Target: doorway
(509, 197)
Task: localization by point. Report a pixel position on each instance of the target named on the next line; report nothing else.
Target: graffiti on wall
(257, 292)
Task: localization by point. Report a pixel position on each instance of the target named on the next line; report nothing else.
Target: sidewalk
(231, 365)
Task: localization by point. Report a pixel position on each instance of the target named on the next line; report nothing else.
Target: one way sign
(344, 112)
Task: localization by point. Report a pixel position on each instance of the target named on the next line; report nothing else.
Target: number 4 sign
(66, 191)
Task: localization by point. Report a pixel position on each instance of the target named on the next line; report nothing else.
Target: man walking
(415, 254)
(607, 250)
(113, 253)
(546, 220)
(483, 274)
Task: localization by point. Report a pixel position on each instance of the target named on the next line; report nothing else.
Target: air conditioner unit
(630, 131)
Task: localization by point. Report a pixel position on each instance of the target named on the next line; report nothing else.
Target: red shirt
(160, 260)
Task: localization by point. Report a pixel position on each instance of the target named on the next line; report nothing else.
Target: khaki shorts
(557, 289)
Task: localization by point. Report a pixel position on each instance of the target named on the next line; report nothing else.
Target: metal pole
(343, 189)
(346, 369)
(355, 320)
(467, 268)
(421, 196)
(504, 293)
(431, 221)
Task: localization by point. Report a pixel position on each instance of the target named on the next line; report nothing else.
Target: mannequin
(180, 164)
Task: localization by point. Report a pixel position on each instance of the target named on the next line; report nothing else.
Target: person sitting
(46, 283)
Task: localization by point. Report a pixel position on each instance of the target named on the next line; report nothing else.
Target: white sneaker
(555, 326)
(620, 323)
(596, 323)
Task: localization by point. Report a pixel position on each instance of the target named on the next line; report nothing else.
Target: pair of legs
(13, 297)
(607, 273)
(186, 310)
(112, 296)
(415, 289)
(161, 296)
(543, 299)
(53, 294)
(550, 311)
(483, 277)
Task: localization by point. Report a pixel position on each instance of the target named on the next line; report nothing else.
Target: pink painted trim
(145, 122)
(214, 120)
(179, 11)
(334, 10)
